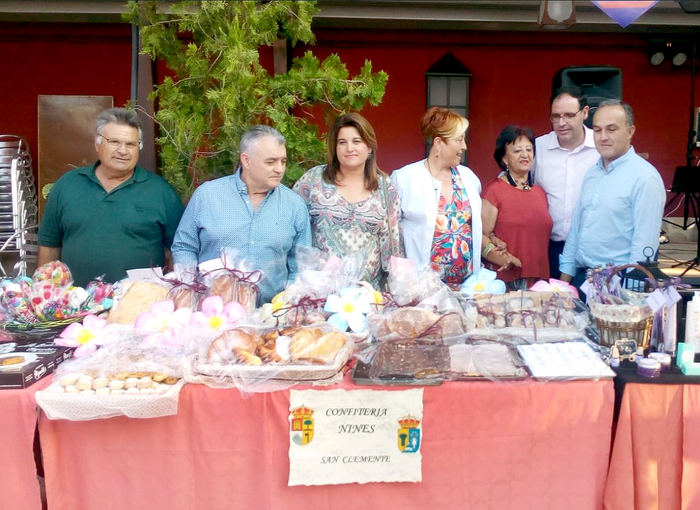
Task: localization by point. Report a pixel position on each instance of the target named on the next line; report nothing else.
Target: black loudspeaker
(690, 5)
(686, 180)
(598, 83)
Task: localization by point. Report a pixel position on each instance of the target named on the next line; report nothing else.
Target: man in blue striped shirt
(621, 204)
(250, 211)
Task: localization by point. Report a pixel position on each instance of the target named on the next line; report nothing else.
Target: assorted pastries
(316, 346)
(278, 346)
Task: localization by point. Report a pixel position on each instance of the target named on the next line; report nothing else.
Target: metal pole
(134, 62)
(691, 129)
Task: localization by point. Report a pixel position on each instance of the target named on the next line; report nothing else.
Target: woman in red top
(515, 211)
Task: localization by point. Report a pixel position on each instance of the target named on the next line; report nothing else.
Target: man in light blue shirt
(622, 200)
(250, 211)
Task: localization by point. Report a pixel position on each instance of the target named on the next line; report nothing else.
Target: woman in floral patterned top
(353, 205)
(441, 203)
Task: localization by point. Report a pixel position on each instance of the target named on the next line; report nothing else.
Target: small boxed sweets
(524, 310)
(22, 363)
(537, 315)
(491, 311)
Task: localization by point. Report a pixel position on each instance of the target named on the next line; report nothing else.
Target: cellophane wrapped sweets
(256, 359)
(420, 305)
(50, 296)
(409, 286)
(530, 315)
(131, 374)
(320, 274)
(186, 288)
(232, 278)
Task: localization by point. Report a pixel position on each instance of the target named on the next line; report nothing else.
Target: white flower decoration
(349, 309)
(483, 282)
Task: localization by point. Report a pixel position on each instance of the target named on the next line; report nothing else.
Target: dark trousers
(579, 277)
(555, 249)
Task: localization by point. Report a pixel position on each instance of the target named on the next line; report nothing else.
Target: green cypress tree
(219, 87)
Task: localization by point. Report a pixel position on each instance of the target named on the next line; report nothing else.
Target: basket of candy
(42, 306)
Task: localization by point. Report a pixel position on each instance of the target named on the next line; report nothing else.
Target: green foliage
(46, 189)
(220, 88)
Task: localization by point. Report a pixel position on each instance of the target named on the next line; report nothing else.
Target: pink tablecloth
(655, 462)
(19, 488)
(485, 445)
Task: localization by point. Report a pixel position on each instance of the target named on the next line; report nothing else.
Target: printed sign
(340, 436)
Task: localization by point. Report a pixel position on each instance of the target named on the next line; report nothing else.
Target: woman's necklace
(430, 171)
(526, 185)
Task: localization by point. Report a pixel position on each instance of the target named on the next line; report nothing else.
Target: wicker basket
(638, 329)
(39, 330)
(611, 331)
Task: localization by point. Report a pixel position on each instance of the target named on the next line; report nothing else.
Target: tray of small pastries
(306, 353)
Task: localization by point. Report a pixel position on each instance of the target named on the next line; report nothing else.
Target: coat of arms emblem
(302, 426)
(408, 434)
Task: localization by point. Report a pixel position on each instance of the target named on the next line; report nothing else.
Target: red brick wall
(511, 81)
(511, 84)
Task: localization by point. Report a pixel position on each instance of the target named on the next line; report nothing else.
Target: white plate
(28, 358)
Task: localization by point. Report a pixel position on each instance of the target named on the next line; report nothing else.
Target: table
(18, 479)
(655, 460)
(485, 445)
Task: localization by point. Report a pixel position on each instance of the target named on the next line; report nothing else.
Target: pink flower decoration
(162, 324)
(216, 316)
(554, 285)
(85, 336)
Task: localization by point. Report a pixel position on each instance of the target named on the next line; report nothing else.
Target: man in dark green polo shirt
(113, 215)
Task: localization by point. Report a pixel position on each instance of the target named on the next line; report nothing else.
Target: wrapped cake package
(232, 278)
(419, 305)
(186, 288)
(133, 297)
(493, 361)
(322, 273)
(413, 322)
(424, 361)
(409, 361)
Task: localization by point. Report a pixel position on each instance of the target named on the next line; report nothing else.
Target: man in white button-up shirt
(562, 158)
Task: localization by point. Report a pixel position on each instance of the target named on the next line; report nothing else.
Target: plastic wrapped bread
(138, 297)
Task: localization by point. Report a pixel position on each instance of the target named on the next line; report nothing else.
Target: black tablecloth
(627, 373)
